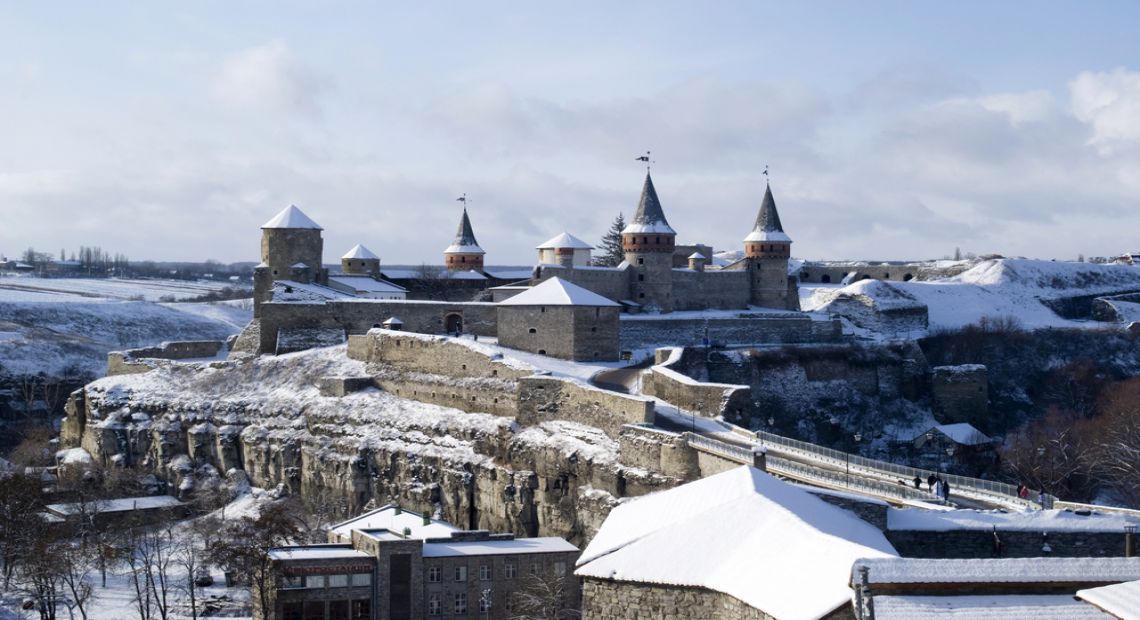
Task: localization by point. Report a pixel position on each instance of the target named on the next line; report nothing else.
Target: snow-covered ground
(66, 327)
(1000, 288)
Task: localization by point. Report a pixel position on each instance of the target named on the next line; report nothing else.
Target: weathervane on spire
(765, 173)
(645, 158)
(463, 199)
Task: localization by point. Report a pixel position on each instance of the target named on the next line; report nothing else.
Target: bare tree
(21, 498)
(188, 555)
(544, 597)
(242, 548)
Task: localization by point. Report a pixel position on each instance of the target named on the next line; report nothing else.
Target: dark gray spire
(768, 220)
(649, 218)
(464, 237)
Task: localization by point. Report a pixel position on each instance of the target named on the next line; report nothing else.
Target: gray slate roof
(649, 216)
(768, 220)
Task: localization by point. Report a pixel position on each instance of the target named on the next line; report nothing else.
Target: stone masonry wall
(701, 290)
(711, 399)
(360, 315)
(439, 355)
(133, 360)
(544, 398)
(774, 328)
(961, 393)
(623, 600)
(611, 283)
(1014, 544)
(658, 450)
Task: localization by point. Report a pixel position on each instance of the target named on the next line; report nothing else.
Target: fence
(719, 448)
(962, 485)
(869, 486)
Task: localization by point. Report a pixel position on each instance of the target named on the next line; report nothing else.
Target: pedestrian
(930, 481)
(1041, 499)
(917, 481)
(945, 491)
(476, 337)
(1024, 493)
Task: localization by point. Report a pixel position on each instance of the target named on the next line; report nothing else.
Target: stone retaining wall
(1014, 544)
(541, 399)
(623, 600)
(133, 361)
(762, 328)
(658, 450)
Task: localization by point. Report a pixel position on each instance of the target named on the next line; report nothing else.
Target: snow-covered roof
(365, 284)
(289, 290)
(962, 433)
(552, 544)
(392, 321)
(564, 240)
(744, 533)
(509, 274)
(999, 570)
(766, 235)
(300, 266)
(1006, 607)
(697, 255)
(358, 251)
(768, 226)
(1121, 600)
(291, 217)
(649, 217)
(558, 292)
(1034, 521)
(466, 248)
(122, 504)
(387, 518)
(318, 552)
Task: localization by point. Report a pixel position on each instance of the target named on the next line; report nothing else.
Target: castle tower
(767, 249)
(648, 242)
(464, 253)
(360, 261)
(291, 249)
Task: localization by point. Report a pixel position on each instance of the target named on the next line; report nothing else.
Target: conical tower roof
(649, 218)
(358, 251)
(291, 217)
(768, 226)
(464, 242)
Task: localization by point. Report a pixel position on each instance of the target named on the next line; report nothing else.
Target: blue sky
(894, 130)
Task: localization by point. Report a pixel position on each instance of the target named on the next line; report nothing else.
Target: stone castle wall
(134, 361)
(761, 328)
(658, 450)
(1014, 544)
(625, 600)
(609, 282)
(709, 399)
(961, 393)
(701, 290)
(438, 355)
(543, 399)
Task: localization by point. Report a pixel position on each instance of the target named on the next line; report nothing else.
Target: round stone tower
(288, 239)
(648, 243)
(767, 249)
(464, 253)
(360, 261)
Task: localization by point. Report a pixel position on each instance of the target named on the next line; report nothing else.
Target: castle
(564, 307)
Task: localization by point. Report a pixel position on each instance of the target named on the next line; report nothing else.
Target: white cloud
(269, 78)
(1110, 102)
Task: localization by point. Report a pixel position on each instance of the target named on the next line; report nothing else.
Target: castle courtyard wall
(641, 331)
(701, 290)
(624, 600)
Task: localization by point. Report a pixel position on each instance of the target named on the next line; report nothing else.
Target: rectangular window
(292, 611)
(433, 604)
(314, 610)
(434, 574)
(560, 569)
(361, 609)
(461, 573)
(484, 572)
(460, 602)
(509, 570)
(338, 581)
(362, 579)
(292, 581)
(535, 568)
(338, 609)
(314, 581)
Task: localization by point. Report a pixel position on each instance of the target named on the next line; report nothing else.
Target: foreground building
(397, 564)
(740, 544)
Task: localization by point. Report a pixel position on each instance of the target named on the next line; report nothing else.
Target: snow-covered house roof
(558, 292)
(987, 520)
(358, 251)
(452, 548)
(394, 519)
(768, 226)
(291, 217)
(464, 242)
(973, 607)
(962, 433)
(884, 571)
(365, 284)
(1121, 600)
(743, 532)
(649, 217)
(564, 241)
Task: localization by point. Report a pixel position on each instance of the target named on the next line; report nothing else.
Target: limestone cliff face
(267, 417)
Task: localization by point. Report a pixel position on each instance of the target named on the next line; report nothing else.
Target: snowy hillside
(993, 288)
(64, 328)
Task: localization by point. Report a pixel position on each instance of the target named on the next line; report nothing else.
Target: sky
(892, 130)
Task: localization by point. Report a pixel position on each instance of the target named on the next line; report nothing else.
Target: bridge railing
(962, 485)
(838, 479)
(719, 448)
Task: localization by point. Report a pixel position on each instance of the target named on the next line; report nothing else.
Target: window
(433, 572)
(535, 568)
(532, 330)
(560, 569)
(292, 611)
(641, 261)
(338, 609)
(292, 581)
(509, 570)
(338, 581)
(484, 572)
(362, 579)
(542, 308)
(361, 609)
(641, 277)
(460, 602)
(461, 573)
(485, 600)
(433, 604)
(314, 581)
(314, 610)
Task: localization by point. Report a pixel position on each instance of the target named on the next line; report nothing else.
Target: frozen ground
(65, 327)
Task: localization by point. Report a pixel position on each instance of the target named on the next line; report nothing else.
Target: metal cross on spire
(645, 158)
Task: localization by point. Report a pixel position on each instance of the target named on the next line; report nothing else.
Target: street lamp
(858, 438)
